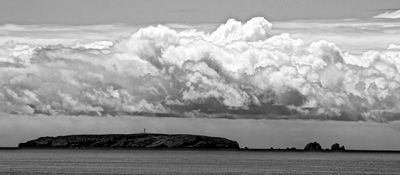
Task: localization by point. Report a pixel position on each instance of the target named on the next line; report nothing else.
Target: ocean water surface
(194, 162)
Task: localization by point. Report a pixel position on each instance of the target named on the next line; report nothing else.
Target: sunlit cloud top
(235, 70)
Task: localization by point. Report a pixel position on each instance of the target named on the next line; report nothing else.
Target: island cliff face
(154, 141)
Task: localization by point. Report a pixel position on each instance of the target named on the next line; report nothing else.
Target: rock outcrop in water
(337, 147)
(313, 146)
(155, 141)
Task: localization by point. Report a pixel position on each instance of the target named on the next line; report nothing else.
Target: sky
(265, 73)
(77, 12)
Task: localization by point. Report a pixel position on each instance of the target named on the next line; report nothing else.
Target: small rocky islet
(315, 146)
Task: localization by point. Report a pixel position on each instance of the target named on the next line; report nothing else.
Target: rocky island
(155, 141)
(315, 146)
(139, 141)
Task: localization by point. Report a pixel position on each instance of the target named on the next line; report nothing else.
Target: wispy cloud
(391, 15)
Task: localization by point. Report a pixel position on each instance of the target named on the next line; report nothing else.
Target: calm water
(193, 162)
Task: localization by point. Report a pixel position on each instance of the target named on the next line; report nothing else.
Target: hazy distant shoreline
(158, 141)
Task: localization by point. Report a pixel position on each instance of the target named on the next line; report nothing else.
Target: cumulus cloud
(390, 15)
(239, 70)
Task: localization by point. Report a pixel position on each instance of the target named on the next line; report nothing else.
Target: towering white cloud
(239, 70)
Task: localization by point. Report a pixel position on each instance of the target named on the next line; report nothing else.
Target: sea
(42, 161)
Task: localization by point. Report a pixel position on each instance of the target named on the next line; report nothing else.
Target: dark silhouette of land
(316, 147)
(138, 141)
(165, 141)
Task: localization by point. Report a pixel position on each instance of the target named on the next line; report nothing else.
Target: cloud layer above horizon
(390, 15)
(238, 70)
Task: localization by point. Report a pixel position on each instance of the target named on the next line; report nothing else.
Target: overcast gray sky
(183, 11)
